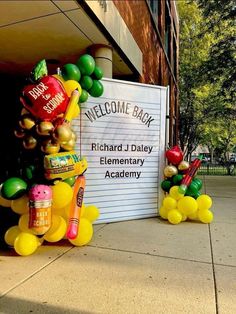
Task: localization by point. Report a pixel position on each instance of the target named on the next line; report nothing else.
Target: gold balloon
(68, 145)
(63, 133)
(26, 122)
(44, 128)
(73, 136)
(19, 133)
(170, 171)
(183, 165)
(29, 142)
(50, 147)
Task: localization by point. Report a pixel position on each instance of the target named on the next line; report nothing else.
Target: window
(154, 6)
(167, 31)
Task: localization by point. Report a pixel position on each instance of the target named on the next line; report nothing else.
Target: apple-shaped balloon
(44, 128)
(45, 99)
(174, 155)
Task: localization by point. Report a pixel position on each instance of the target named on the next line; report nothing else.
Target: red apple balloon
(45, 99)
(174, 155)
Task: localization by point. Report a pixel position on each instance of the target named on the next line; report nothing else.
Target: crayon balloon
(195, 165)
(75, 209)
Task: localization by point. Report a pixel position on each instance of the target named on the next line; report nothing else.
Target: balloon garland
(48, 197)
(183, 199)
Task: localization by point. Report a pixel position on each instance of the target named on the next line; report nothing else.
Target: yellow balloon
(187, 205)
(59, 211)
(11, 235)
(193, 216)
(85, 233)
(4, 202)
(174, 192)
(24, 223)
(204, 201)
(70, 86)
(174, 217)
(163, 212)
(184, 217)
(66, 209)
(59, 78)
(205, 216)
(57, 229)
(169, 202)
(62, 195)
(26, 244)
(91, 213)
(20, 205)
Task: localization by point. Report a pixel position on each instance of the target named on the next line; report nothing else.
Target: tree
(221, 64)
(194, 50)
(207, 75)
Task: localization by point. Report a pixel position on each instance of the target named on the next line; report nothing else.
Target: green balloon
(198, 182)
(166, 185)
(97, 73)
(196, 195)
(97, 89)
(177, 179)
(29, 172)
(13, 188)
(86, 64)
(86, 82)
(71, 72)
(84, 96)
(190, 193)
(70, 181)
(193, 187)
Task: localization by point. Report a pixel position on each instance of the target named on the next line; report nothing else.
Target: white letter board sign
(122, 135)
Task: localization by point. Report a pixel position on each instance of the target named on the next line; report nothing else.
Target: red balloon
(45, 99)
(174, 155)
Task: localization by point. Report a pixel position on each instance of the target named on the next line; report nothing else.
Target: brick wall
(156, 68)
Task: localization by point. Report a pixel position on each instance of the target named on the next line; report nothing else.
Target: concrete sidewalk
(141, 266)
